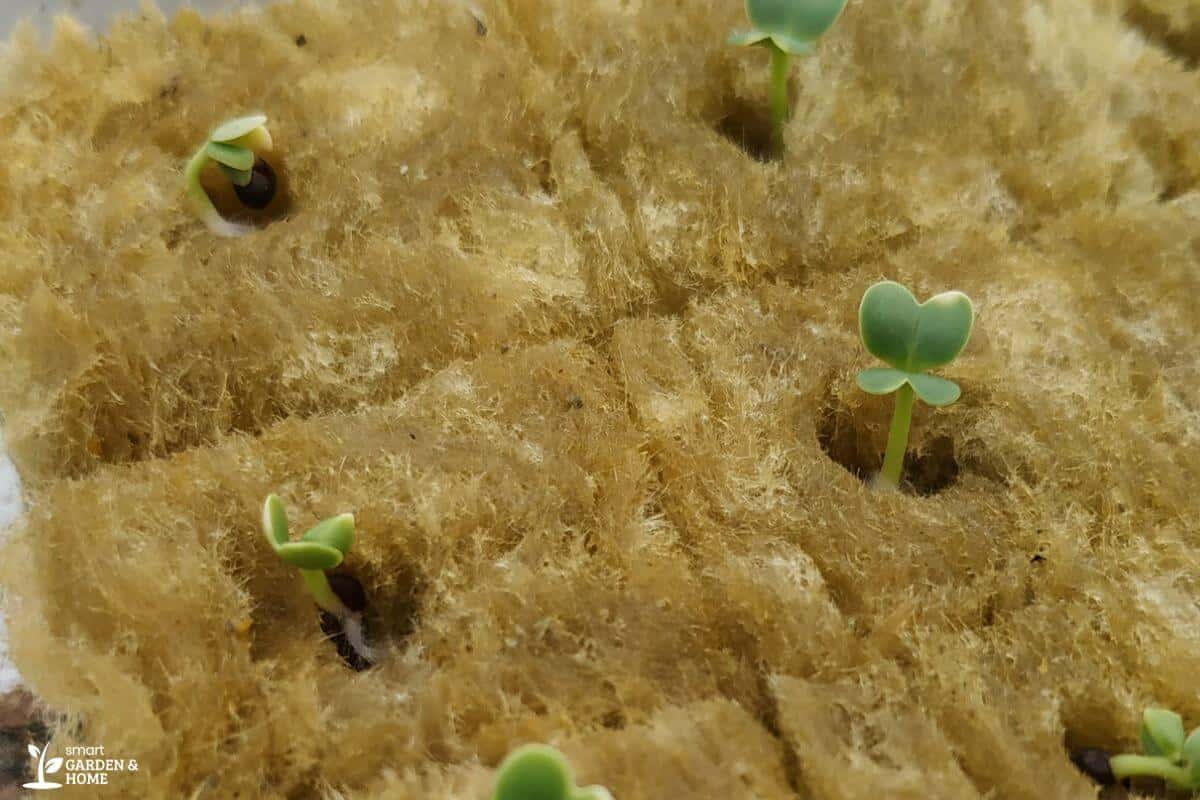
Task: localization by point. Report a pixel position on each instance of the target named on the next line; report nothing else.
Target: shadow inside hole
(858, 446)
(22, 723)
(394, 603)
(749, 127)
(224, 195)
(1182, 44)
(387, 613)
(399, 606)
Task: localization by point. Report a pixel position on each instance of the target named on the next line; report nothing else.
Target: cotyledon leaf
(793, 25)
(534, 772)
(336, 532)
(238, 158)
(237, 128)
(239, 177)
(934, 390)
(1162, 733)
(310, 555)
(912, 336)
(275, 521)
(881, 380)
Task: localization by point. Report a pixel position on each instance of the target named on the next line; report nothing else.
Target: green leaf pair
(1169, 753)
(233, 146)
(538, 772)
(912, 337)
(793, 26)
(322, 547)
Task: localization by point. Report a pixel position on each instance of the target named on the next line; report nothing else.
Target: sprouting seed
(321, 548)
(259, 191)
(235, 147)
(911, 338)
(539, 772)
(786, 28)
(1169, 754)
(1095, 763)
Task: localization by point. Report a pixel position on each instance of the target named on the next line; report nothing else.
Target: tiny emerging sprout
(235, 148)
(786, 28)
(538, 772)
(911, 338)
(1168, 754)
(322, 547)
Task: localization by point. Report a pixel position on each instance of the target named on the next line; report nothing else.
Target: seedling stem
(893, 459)
(318, 586)
(787, 28)
(202, 204)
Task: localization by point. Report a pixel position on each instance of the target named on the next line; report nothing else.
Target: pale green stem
(199, 198)
(780, 62)
(893, 459)
(318, 587)
(201, 203)
(1129, 766)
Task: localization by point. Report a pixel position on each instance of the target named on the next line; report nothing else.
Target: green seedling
(911, 338)
(323, 547)
(235, 147)
(786, 28)
(538, 772)
(1168, 753)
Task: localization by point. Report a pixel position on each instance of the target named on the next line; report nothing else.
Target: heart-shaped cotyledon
(538, 772)
(794, 26)
(911, 338)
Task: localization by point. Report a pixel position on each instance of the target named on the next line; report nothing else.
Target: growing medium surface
(583, 369)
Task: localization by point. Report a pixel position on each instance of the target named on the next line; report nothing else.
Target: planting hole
(1183, 44)
(264, 201)
(749, 127)
(387, 613)
(856, 438)
(21, 724)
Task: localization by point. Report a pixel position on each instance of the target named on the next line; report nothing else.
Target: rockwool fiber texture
(578, 350)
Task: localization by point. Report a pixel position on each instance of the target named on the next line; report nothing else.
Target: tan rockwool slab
(583, 369)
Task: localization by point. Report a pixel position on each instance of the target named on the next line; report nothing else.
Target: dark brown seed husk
(260, 191)
(350, 591)
(1095, 763)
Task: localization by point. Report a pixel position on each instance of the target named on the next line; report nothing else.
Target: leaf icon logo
(44, 766)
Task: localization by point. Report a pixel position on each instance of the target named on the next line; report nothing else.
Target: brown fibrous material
(583, 368)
